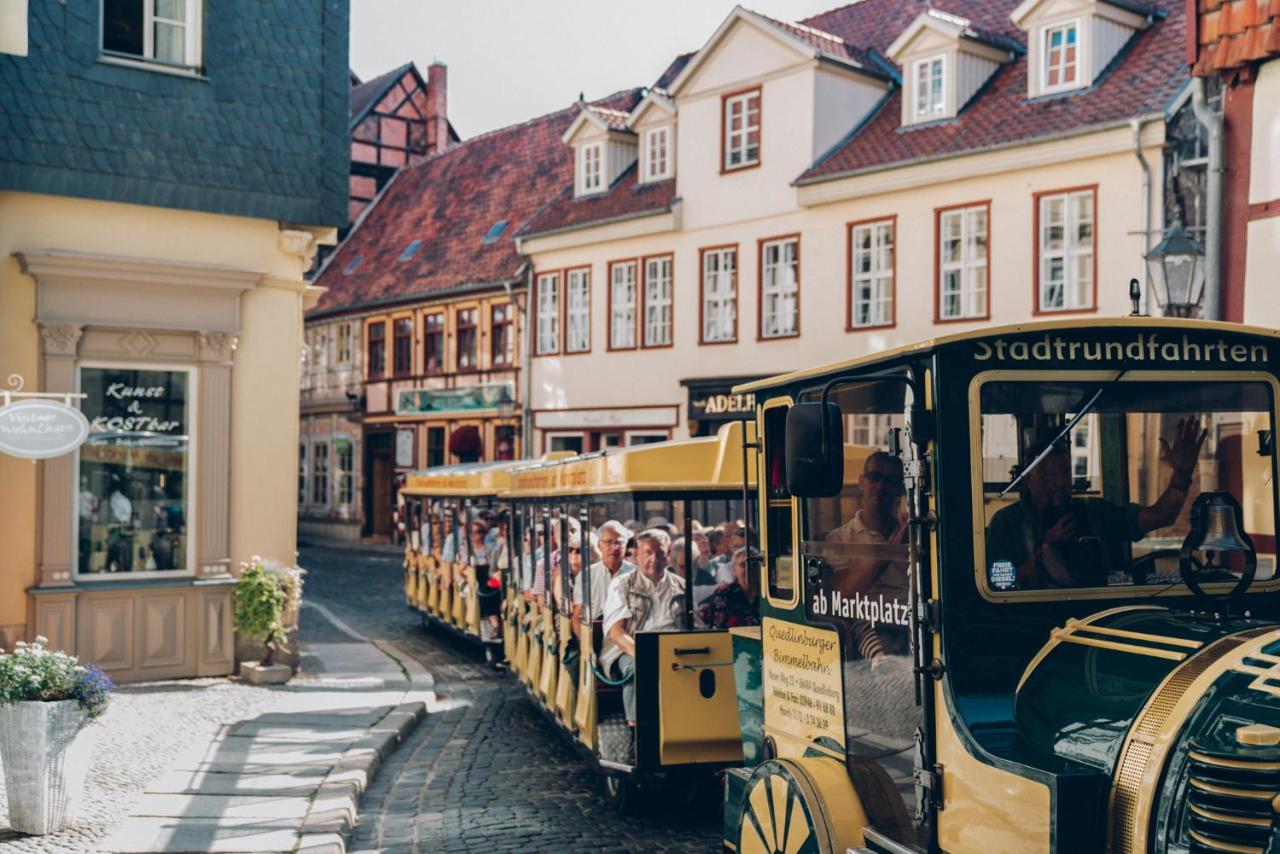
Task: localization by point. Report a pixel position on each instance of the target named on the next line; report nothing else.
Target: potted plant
(465, 443)
(47, 699)
(260, 601)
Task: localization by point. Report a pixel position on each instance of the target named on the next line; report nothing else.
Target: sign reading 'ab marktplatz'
(41, 429)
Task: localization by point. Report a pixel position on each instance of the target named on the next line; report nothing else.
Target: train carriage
(442, 566)
(1018, 595)
(686, 719)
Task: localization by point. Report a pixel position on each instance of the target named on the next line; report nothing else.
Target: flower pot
(45, 749)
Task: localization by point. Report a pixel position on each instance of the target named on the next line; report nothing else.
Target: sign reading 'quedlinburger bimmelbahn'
(40, 429)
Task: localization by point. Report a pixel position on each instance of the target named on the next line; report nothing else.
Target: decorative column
(59, 344)
(213, 431)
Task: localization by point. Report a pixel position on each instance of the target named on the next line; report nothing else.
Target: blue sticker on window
(1002, 575)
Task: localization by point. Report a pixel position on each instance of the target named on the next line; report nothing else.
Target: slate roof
(627, 198)
(663, 83)
(1142, 80)
(449, 202)
(1234, 33)
(365, 95)
(263, 133)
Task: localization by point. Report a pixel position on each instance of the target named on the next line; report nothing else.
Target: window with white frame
(657, 302)
(342, 345)
(344, 456)
(930, 79)
(871, 265)
(741, 130)
(657, 153)
(163, 31)
(548, 314)
(962, 268)
(1066, 251)
(1060, 65)
(779, 288)
(719, 295)
(590, 168)
(577, 332)
(320, 474)
(320, 351)
(622, 305)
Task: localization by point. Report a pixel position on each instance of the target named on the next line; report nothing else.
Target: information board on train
(802, 682)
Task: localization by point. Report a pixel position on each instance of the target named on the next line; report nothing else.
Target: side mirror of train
(815, 450)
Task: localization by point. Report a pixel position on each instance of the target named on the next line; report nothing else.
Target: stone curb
(336, 803)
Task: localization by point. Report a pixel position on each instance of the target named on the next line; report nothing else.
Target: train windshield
(1090, 485)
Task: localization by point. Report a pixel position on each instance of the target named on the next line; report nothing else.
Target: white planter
(45, 749)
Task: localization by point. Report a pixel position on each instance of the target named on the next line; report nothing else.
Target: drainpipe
(1136, 125)
(526, 359)
(1212, 122)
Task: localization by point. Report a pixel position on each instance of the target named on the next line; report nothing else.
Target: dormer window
(740, 138)
(657, 154)
(590, 169)
(930, 88)
(1060, 52)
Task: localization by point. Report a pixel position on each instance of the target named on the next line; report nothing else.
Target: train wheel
(622, 792)
(804, 806)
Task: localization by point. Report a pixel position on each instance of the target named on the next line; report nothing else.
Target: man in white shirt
(611, 540)
(651, 599)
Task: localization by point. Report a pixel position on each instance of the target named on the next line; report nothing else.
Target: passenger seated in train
(736, 604)
(611, 539)
(1056, 540)
(651, 599)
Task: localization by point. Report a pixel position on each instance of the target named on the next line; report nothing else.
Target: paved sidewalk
(289, 779)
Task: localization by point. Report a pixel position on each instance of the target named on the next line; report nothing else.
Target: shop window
(504, 443)
(320, 474)
(134, 497)
(402, 342)
(433, 342)
(565, 442)
(435, 446)
(501, 335)
(466, 331)
(344, 454)
(377, 359)
(161, 31)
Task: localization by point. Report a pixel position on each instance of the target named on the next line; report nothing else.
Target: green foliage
(34, 673)
(260, 599)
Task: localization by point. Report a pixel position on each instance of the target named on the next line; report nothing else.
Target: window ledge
(152, 65)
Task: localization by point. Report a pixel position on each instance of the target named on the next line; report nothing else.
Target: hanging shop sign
(477, 397)
(38, 429)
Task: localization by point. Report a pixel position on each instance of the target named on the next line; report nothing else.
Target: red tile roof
(829, 44)
(449, 202)
(613, 119)
(1141, 81)
(1233, 33)
(627, 198)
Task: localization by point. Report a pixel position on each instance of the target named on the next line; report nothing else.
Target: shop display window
(133, 493)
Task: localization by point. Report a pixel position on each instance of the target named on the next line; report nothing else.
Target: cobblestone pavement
(485, 771)
(144, 728)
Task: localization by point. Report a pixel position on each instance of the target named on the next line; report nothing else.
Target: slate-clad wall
(263, 133)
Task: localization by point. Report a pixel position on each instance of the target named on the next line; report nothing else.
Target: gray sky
(511, 60)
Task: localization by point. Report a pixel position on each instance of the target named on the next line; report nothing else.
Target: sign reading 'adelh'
(40, 429)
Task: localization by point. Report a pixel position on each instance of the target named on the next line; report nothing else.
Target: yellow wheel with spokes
(804, 806)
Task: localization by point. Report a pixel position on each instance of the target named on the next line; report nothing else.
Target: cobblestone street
(484, 771)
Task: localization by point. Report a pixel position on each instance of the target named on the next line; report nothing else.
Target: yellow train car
(1019, 594)
(686, 722)
(457, 552)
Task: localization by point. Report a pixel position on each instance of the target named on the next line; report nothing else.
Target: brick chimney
(437, 107)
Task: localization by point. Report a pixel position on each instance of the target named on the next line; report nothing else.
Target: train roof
(871, 359)
(712, 463)
(463, 479)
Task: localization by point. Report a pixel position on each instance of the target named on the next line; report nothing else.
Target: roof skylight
(495, 231)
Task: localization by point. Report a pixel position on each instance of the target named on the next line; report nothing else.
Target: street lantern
(1176, 265)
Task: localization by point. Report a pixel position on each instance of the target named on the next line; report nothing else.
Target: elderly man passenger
(651, 599)
(610, 540)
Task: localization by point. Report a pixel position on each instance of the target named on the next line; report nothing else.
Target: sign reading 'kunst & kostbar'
(41, 429)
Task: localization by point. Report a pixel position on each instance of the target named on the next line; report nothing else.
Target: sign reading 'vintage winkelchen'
(41, 429)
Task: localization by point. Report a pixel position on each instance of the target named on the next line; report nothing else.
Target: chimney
(437, 107)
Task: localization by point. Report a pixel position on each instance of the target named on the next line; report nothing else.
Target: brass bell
(1215, 514)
